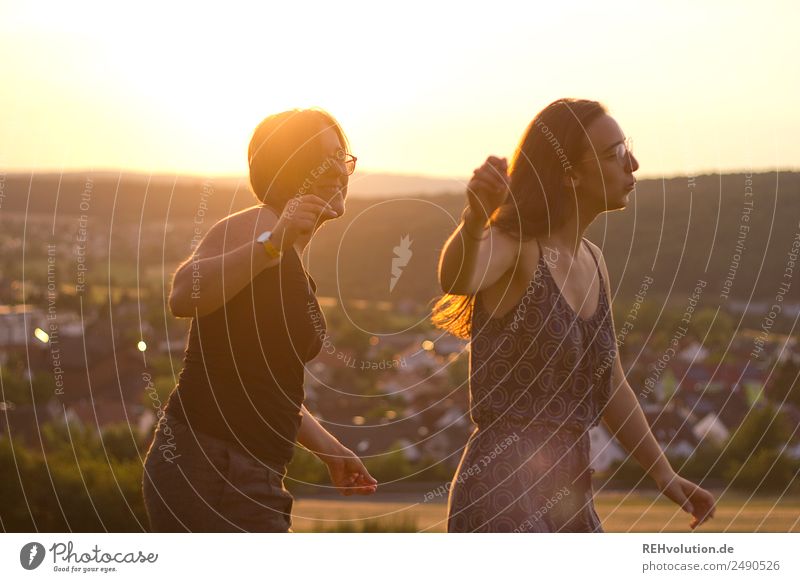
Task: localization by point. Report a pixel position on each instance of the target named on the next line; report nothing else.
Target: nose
(337, 169)
(633, 163)
(335, 174)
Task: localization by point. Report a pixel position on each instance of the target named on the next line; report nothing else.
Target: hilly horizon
(362, 184)
(677, 230)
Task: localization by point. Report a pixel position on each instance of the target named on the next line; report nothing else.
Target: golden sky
(420, 87)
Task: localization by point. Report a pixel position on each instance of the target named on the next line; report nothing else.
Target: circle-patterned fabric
(540, 377)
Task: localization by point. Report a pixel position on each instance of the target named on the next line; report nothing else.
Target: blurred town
(86, 367)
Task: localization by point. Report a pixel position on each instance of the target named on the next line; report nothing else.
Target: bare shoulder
(253, 216)
(246, 223)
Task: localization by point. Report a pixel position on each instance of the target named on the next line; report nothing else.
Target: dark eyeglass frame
(341, 157)
(622, 151)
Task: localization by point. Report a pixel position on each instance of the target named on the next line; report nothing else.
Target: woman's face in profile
(330, 176)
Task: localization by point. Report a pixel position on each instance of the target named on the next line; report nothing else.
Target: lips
(333, 195)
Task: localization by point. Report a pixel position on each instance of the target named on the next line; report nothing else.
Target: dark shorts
(196, 482)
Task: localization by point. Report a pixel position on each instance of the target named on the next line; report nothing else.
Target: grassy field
(620, 512)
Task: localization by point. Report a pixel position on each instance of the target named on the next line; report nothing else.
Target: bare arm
(313, 436)
(347, 471)
(624, 417)
(472, 257)
(469, 264)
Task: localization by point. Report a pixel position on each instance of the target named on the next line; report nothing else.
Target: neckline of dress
(560, 295)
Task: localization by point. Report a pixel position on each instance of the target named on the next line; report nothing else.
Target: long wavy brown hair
(538, 201)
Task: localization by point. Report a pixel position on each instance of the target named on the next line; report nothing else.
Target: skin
(228, 258)
(500, 268)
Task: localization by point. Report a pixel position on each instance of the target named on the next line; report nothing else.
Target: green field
(620, 512)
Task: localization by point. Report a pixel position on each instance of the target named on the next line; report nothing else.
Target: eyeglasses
(340, 157)
(622, 151)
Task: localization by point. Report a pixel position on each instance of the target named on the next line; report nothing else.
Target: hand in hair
(488, 188)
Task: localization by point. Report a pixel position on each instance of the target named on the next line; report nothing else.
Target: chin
(619, 204)
(337, 203)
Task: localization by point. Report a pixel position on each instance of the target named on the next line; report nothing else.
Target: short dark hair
(284, 151)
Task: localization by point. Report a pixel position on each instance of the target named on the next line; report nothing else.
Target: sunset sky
(420, 87)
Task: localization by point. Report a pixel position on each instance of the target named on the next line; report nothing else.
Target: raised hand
(488, 188)
(301, 216)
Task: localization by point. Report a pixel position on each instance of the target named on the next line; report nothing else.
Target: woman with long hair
(219, 455)
(533, 297)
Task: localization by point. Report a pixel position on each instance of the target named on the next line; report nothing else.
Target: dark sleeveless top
(243, 368)
(542, 363)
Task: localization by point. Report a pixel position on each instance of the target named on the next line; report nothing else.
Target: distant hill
(178, 195)
(676, 230)
(670, 231)
(387, 185)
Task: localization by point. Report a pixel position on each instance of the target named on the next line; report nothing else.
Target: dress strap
(591, 252)
(599, 273)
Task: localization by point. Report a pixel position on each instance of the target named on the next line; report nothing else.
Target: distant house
(604, 450)
(146, 422)
(789, 351)
(681, 449)
(17, 323)
(694, 352)
(711, 428)
(793, 452)
(672, 427)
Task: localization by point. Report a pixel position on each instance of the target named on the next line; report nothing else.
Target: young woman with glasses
(220, 451)
(533, 297)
